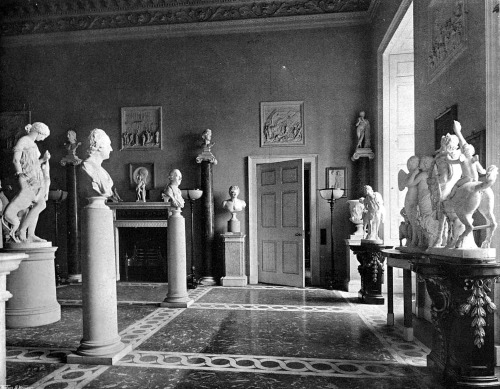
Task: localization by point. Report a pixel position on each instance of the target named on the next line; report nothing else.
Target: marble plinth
(8, 263)
(33, 285)
(177, 295)
(100, 342)
(234, 260)
(475, 253)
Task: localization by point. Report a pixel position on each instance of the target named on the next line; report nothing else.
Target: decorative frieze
(48, 16)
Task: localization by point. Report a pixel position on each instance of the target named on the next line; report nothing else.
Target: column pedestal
(234, 260)
(207, 159)
(101, 343)
(371, 270)
(8, 263)
(177, 295)
(73, 251)
(33, 285)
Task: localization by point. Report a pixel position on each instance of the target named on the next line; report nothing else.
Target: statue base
(363, 152)
(372, 241)
(473, 254)
(33, 286)
(26, 245)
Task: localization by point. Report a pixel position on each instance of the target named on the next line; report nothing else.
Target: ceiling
(45, 17)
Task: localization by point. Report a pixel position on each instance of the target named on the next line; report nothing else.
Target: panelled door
(280, 230)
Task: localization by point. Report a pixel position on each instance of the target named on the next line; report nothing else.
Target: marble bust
(234, 205)
(96, 180)
(172, 194)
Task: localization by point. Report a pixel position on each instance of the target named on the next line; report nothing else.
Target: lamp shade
(191, 194)
(331, 193)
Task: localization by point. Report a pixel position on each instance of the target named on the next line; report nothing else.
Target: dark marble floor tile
(67, 332)
(125, 292)
(307, 297)
(312, 335)
(26, 374)
(148, 378)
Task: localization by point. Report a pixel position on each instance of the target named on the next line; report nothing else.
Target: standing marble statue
(374, 213)
(97, 181)
(33, 172)
(172, 194)
(363, 131)
(141, 175)
(234, 205)
(407, 180)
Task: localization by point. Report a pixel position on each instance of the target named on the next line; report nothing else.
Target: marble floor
(250, 337)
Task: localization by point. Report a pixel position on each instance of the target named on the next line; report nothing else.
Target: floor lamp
(192, 195)
(332, 195)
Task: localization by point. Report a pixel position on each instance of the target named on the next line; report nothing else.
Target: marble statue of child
(32, 170)
(363, 131)
(172, 194)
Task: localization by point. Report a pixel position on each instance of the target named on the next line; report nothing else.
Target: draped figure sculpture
(33, 172)
(373, 215)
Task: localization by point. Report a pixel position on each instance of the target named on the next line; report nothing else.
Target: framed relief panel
(282, 123)
(336, 177)
(144, 171)
(141, 128)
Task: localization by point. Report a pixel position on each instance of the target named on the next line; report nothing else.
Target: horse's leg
(442, 221)
(467, 221)
(486, 209)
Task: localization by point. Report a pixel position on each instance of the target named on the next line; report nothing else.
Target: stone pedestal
(234, 260)
(463, 347)
(101, 343)
(33, 285)
(371, 270)
(177, 295)
(8, 263)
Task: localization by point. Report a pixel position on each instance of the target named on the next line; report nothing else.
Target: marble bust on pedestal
(234, 205)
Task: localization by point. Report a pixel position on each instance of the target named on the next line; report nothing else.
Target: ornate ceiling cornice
(38, 17)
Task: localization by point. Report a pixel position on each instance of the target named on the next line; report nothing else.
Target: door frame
(253, 258)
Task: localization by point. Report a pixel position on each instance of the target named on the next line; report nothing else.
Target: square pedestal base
(234, 281)
(99, 360)
(176, 304)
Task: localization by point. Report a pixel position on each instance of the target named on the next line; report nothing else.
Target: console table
(137, 215)
(462, 294)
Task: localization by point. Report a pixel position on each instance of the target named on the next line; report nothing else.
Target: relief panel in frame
(142, 170)
(141, 128)
(282, 123)
(336, 177)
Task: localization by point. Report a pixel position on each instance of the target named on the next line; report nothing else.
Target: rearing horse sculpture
(458, 204)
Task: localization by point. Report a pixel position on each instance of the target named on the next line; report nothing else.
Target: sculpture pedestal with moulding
(234, 259)
(8, 263)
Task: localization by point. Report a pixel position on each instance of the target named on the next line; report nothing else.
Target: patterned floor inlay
(262, 307)
(250, 337)
(265, 364)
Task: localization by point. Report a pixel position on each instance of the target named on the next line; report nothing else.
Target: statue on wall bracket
(363, 145)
